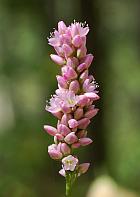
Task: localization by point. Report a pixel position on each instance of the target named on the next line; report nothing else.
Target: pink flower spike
(71, 138)
(83, 123)
(62, 82)
(50, 130)
(62, 27)
(92, 95)
(73, 101)
(77, 41)
(72, 123)
(85, 141)
(63, 129)
(57, 59)
(65, 149)
(62, 172)
(91, 113)
(74, 86)
(69, 163)
(83, 168)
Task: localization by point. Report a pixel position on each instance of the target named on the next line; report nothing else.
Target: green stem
(68, 187)
(70, 179)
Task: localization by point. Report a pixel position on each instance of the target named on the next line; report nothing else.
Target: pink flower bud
(76, 145)
(81, 133)
(62, 82)
(85, 141)
(63, 129)
(64, 69)
(83, 123)
(83, 40)
(59, 136)
(65, 109)
(88, 60)
(74, 86)
(70, 73)
(77, 41)
(86, 84)
(65, 118)
(83, 76)
(57, 59)
(50, 130)
(65, 149)
(74, 30)
(67, 50)
(70, 63)
(81, 52)
(61, 27)
(92, 95)
(71, 138)
(81, 67)
(72, 123)
(59, 51)
(59, 146)
(53, 152)
(83, 168)
(66, 39)
(78, 113)
(91, 113)
(54, 42)
(83, 100)
(75, 61)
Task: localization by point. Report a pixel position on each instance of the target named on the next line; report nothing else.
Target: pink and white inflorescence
(73, 101)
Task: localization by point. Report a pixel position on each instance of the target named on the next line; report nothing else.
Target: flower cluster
(73, 101)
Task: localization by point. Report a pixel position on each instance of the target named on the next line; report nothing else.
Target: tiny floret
(69, 163)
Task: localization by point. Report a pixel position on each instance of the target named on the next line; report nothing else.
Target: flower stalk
(70, 179)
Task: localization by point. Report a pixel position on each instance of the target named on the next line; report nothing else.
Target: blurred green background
(27, 79)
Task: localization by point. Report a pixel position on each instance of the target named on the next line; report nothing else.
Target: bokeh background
(27, 79)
